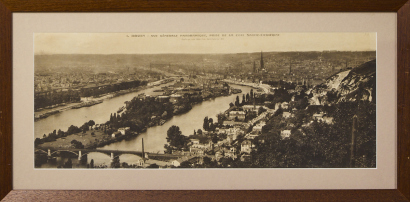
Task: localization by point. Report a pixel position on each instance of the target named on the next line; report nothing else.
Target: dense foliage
(175, 139)
(319, 144)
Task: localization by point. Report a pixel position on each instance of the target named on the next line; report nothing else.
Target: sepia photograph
(204, 100)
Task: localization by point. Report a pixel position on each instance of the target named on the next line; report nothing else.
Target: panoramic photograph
(204, 100)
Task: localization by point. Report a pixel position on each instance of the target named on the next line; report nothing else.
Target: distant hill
(100, 63)
(104, 63)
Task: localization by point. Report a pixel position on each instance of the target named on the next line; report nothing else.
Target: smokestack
(353, 143)
(143, 154)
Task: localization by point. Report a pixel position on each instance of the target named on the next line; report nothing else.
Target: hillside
(351, 85)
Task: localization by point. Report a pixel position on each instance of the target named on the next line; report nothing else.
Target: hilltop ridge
(351, 85)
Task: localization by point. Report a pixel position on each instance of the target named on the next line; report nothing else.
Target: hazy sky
(125, 43)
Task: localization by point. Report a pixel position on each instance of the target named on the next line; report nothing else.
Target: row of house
(237, 115)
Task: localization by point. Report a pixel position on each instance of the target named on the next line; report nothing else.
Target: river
(100, 113)
(154, 137)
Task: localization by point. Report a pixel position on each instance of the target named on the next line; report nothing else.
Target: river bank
(101, 136)
(154, 137)
(44, 113)
(265, 87)
(90, 140)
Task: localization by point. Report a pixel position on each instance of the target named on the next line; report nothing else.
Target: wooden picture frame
(402, 193)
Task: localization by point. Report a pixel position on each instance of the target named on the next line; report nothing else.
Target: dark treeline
(280, 84)
(54, 97)
(53, 136)
(319, 145)
(99, 90)
(316, 145)
(50, 98)
(140, 112)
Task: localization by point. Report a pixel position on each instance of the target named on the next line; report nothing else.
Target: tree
(211, 124)
(206, 160)
(37, 141)
(214, 138)
(60, 133)
(175, 138)
(302, 103)
(124, 165)
(52, 136)
(116, 162)
(199, 132)
(91, 123)
(247, 97)
(231, 105)
(153, 166)
(243, 99)
(282, 95)
(185, 164)
(251, 94)
(332, 96)
(227, 162)
(77, 144)
(92, 163)
(206, 124)
(237, 101)
(73, 129)
(221, 118)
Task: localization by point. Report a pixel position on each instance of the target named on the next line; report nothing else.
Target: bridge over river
(53, 152)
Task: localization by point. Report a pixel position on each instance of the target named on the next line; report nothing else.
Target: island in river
(140, 113)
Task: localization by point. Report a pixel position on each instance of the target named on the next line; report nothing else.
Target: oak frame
(402, 193)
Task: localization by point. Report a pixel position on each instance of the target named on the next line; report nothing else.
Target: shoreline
(163, 121)
(48, 112)
(104, 142)
(264, 87)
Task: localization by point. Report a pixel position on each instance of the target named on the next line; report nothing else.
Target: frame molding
(402, 193)
(403, 100)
